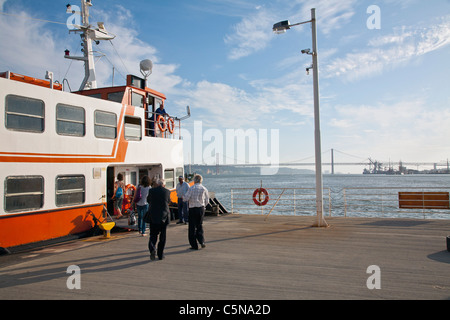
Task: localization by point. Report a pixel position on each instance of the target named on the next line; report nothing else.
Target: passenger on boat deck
(161, 111)
(119, 188)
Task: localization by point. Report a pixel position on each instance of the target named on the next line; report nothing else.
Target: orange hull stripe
(27, 228)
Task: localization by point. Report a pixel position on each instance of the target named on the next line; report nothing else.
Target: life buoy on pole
(163, 126)
(170, 125)
(258, 197)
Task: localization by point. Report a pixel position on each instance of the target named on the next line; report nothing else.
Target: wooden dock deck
(246, 258)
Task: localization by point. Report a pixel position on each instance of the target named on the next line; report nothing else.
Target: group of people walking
(152, 206)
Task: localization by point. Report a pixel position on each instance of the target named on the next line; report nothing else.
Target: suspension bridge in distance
(372, 166)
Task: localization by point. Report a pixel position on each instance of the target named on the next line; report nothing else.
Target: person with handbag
(140, 199)
(158, 216)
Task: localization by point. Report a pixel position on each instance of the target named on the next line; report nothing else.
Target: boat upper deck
(246, 257)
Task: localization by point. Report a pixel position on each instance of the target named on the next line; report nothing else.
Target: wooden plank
(247, 258)
(423, 200)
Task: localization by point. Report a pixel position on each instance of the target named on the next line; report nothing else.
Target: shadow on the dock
(396, 223)
(242, 237)
(57, 270)
(441, 256)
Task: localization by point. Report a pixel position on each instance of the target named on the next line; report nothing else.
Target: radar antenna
(146, 68)
(88, 34)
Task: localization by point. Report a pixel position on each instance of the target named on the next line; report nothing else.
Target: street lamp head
(281, 27)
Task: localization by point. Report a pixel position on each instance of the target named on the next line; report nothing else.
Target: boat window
(179, 172)
(24, 193)
(137, 100)
(24, 114)
(70, 190)
(133, 129)
(105, 125)
(70, 120)
(133, 178)
(115, 96)
(169, 178)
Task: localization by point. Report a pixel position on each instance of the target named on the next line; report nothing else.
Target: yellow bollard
(106, 227)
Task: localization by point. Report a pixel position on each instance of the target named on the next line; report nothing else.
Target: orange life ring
(127, 198)
(258, 200)
(130, 186)
(161, 127)
(170, 125)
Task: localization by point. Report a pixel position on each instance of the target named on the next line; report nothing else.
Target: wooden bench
(423, 200)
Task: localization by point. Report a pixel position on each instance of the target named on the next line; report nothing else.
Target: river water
(334, 188)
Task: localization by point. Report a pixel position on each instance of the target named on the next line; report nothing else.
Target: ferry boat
(61, 151)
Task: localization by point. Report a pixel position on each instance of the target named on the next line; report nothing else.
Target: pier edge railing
(388, 202)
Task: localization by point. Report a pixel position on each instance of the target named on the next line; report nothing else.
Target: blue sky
(383, 92)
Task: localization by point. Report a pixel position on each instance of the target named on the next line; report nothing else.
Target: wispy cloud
(254, 32)
(238, 108)
(397, 129)
(250, 35)
(390, 51)
(331, 14)
(25, 52)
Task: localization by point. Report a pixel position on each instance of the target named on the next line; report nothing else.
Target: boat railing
(387, 202)
(163, 130)
(278, 201)
(402, 202)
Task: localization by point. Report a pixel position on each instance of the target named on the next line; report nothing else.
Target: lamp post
(281, 27)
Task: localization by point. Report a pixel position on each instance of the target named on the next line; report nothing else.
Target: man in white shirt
(198, 198)
(182, 188)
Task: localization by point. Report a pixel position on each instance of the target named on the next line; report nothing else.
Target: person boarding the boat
(140, 200)
(198, 198)
(158, 216)
(182, 188)
(119, 189)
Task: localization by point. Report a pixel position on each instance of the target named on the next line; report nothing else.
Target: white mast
(89, 34)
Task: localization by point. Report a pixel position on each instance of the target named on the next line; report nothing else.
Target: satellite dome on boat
(146, 67)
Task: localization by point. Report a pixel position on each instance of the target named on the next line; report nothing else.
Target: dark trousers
(196, 226)
(155, 230)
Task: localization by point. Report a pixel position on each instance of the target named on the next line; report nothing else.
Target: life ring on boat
(130, 186)
(170, 125)
(163, 126)
(127, 197)
(257, 197)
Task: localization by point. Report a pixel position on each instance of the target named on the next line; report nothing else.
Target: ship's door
(110, 189)
(130, 177)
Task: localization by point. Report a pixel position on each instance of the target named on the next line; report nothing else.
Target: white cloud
(27, 47)
(390, 51)
(402, 130)
(254, 32)
(269, 101)
(33, 48)
(330, 14)
(250, 35)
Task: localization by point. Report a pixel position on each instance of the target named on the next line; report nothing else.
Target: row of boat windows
(27, 192)
(28, 114)
(24, 193)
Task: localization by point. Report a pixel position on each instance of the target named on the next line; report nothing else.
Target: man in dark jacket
(158, 216)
